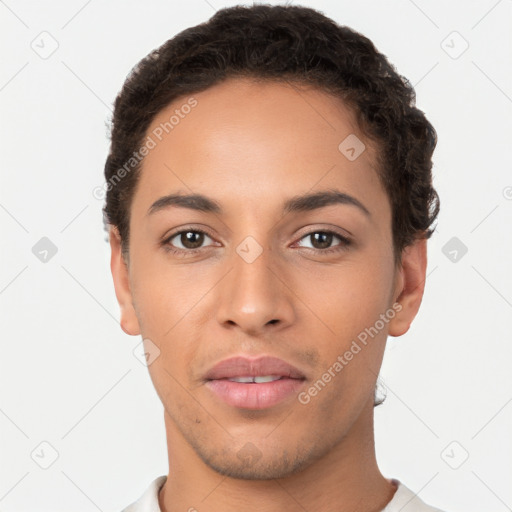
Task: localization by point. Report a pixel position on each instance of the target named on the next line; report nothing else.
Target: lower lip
(255, 395)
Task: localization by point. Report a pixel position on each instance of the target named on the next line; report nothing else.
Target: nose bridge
(252, 297)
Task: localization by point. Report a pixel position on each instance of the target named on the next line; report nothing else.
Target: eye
(190, 241)
(322, 241)
(187, 240)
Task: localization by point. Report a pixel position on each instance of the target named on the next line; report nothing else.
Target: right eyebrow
(197, 202)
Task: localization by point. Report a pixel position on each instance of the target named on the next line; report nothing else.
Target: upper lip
(241, 366)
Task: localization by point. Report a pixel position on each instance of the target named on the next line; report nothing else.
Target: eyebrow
(301, 203)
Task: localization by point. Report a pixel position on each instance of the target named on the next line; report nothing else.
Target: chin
(261, 470)
(249, 463)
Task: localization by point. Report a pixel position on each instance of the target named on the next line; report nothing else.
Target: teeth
(258, 380)
(266, 378)
(242, 379)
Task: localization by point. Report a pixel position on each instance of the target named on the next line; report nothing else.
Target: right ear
(120, 274)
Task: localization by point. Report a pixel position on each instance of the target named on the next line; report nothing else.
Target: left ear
(410, 285)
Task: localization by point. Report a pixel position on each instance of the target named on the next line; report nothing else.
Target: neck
(347, 475)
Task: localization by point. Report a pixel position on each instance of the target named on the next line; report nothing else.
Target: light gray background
(68, 376)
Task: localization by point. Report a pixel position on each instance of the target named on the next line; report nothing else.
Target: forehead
(257, 141)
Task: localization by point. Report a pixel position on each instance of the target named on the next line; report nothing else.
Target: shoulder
(148, 502)
(405, 500)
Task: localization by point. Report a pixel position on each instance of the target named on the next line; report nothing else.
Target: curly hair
(282, 43)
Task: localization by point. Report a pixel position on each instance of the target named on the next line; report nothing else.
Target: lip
(254, 395)
(240, 366)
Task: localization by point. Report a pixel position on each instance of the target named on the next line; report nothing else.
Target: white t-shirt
(404, 500)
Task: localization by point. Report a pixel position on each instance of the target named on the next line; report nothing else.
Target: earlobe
(410, 286)
(129, 322)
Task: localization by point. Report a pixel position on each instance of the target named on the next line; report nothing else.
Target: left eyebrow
(301, 203)
(309, 202)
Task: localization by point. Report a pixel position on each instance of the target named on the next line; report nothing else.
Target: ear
(409, 286)
(120, 274)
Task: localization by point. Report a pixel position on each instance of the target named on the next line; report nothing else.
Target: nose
(255, 296)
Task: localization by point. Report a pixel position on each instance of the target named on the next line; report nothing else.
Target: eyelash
(345, 242)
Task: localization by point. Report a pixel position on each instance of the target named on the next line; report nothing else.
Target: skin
(251, 146)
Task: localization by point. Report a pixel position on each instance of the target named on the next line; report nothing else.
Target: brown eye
(191, 239)
(187, 240)
(323, 240)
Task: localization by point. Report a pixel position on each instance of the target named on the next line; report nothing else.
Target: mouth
(258, 379)
(254, 383)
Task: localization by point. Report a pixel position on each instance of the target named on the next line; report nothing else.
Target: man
(269, 201)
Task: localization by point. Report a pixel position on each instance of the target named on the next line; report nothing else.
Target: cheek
(350, 298)
(163, 296)
(352, 347)
(166, 304)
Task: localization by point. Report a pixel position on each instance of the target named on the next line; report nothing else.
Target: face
(256, 269)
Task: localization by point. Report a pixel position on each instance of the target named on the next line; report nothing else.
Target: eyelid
(343, 234)
(184, 229)
(344, 242)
